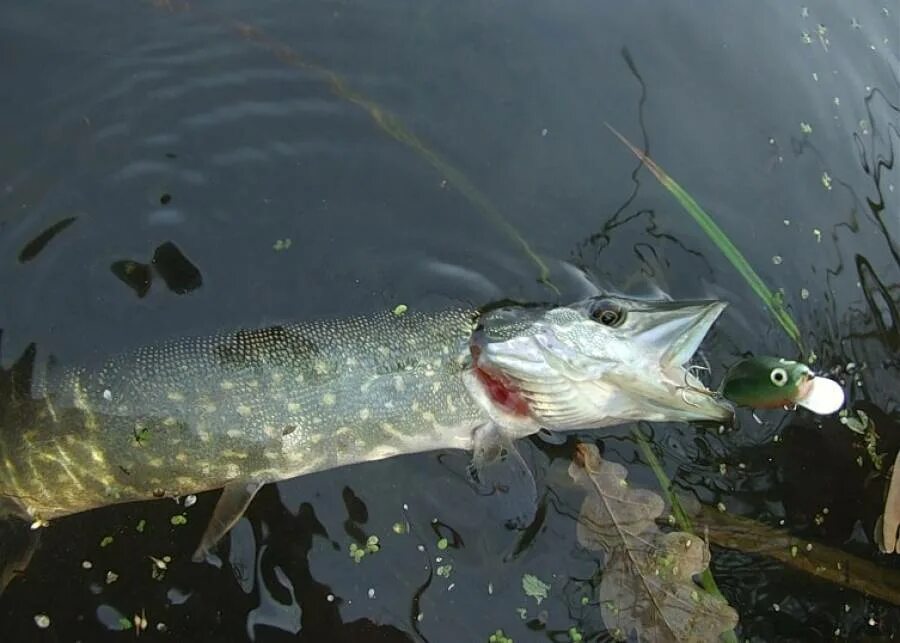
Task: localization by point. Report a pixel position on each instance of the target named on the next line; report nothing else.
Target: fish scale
(265, 404)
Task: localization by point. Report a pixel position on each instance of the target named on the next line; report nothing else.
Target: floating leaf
(647, 587)
(535, 587)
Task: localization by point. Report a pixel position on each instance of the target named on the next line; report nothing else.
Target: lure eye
(778, 376)
(608, 314)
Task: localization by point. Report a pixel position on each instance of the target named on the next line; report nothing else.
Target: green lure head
(766, 382)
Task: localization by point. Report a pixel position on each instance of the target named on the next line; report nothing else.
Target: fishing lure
(773, 382)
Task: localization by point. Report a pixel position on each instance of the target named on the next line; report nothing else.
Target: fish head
(598, 362)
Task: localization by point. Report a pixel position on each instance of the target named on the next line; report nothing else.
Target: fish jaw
(574, 372)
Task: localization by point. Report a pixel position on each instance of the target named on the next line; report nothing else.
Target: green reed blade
(721, 240)
(707, 580)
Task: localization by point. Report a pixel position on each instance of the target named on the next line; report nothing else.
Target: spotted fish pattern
(262, 405)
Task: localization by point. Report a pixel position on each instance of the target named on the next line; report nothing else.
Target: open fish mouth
(694, 392)
(602, 361)
(686, 369)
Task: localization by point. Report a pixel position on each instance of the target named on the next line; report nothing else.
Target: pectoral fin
(499, 469)
(235, 498)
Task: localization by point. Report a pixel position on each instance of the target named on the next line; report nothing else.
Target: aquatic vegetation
(725, 245)
(648, 586)
(499, 637)
(818, 560)
(357, 553)
(535, 588)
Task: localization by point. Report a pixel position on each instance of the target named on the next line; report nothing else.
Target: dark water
(155, 155)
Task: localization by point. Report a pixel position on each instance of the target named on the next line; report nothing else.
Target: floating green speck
(574, 635)
(178, 519)
(400, 309)
(442, 543)
(372, 545)
(535, 587)
(826, 180)
(357, 553)
(107, 540)
(399, 528)
(281, 244)
(125, 623)
(444, 570)
(499, 637)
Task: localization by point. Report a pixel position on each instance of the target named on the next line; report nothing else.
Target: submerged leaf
(647, 587)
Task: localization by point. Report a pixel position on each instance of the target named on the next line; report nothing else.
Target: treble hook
(682, 390)
(688, 372)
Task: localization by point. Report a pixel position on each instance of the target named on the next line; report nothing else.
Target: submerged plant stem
(821, 561)
(384, 120)
(393, 127)
(681, 517)
(718, 236)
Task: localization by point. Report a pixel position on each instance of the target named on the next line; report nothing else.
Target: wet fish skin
(262, 405)
(240, 409)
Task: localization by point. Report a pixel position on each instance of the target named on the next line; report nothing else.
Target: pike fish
(241, 409)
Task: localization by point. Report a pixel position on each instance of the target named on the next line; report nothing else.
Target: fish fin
(499, 469)
(235, 498)
(17, 545)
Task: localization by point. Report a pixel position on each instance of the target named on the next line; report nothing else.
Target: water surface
(172, 167)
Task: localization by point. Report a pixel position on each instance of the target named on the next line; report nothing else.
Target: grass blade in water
(721, 240)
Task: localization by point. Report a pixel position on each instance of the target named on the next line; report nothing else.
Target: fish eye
(778, 376)
(608, 314)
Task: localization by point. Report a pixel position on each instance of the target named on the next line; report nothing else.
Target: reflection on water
(167, 149)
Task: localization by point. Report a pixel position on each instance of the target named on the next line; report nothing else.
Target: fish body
(268, 404)
(240, 409)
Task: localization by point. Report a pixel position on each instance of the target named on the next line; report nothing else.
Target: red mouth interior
(498, 388)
